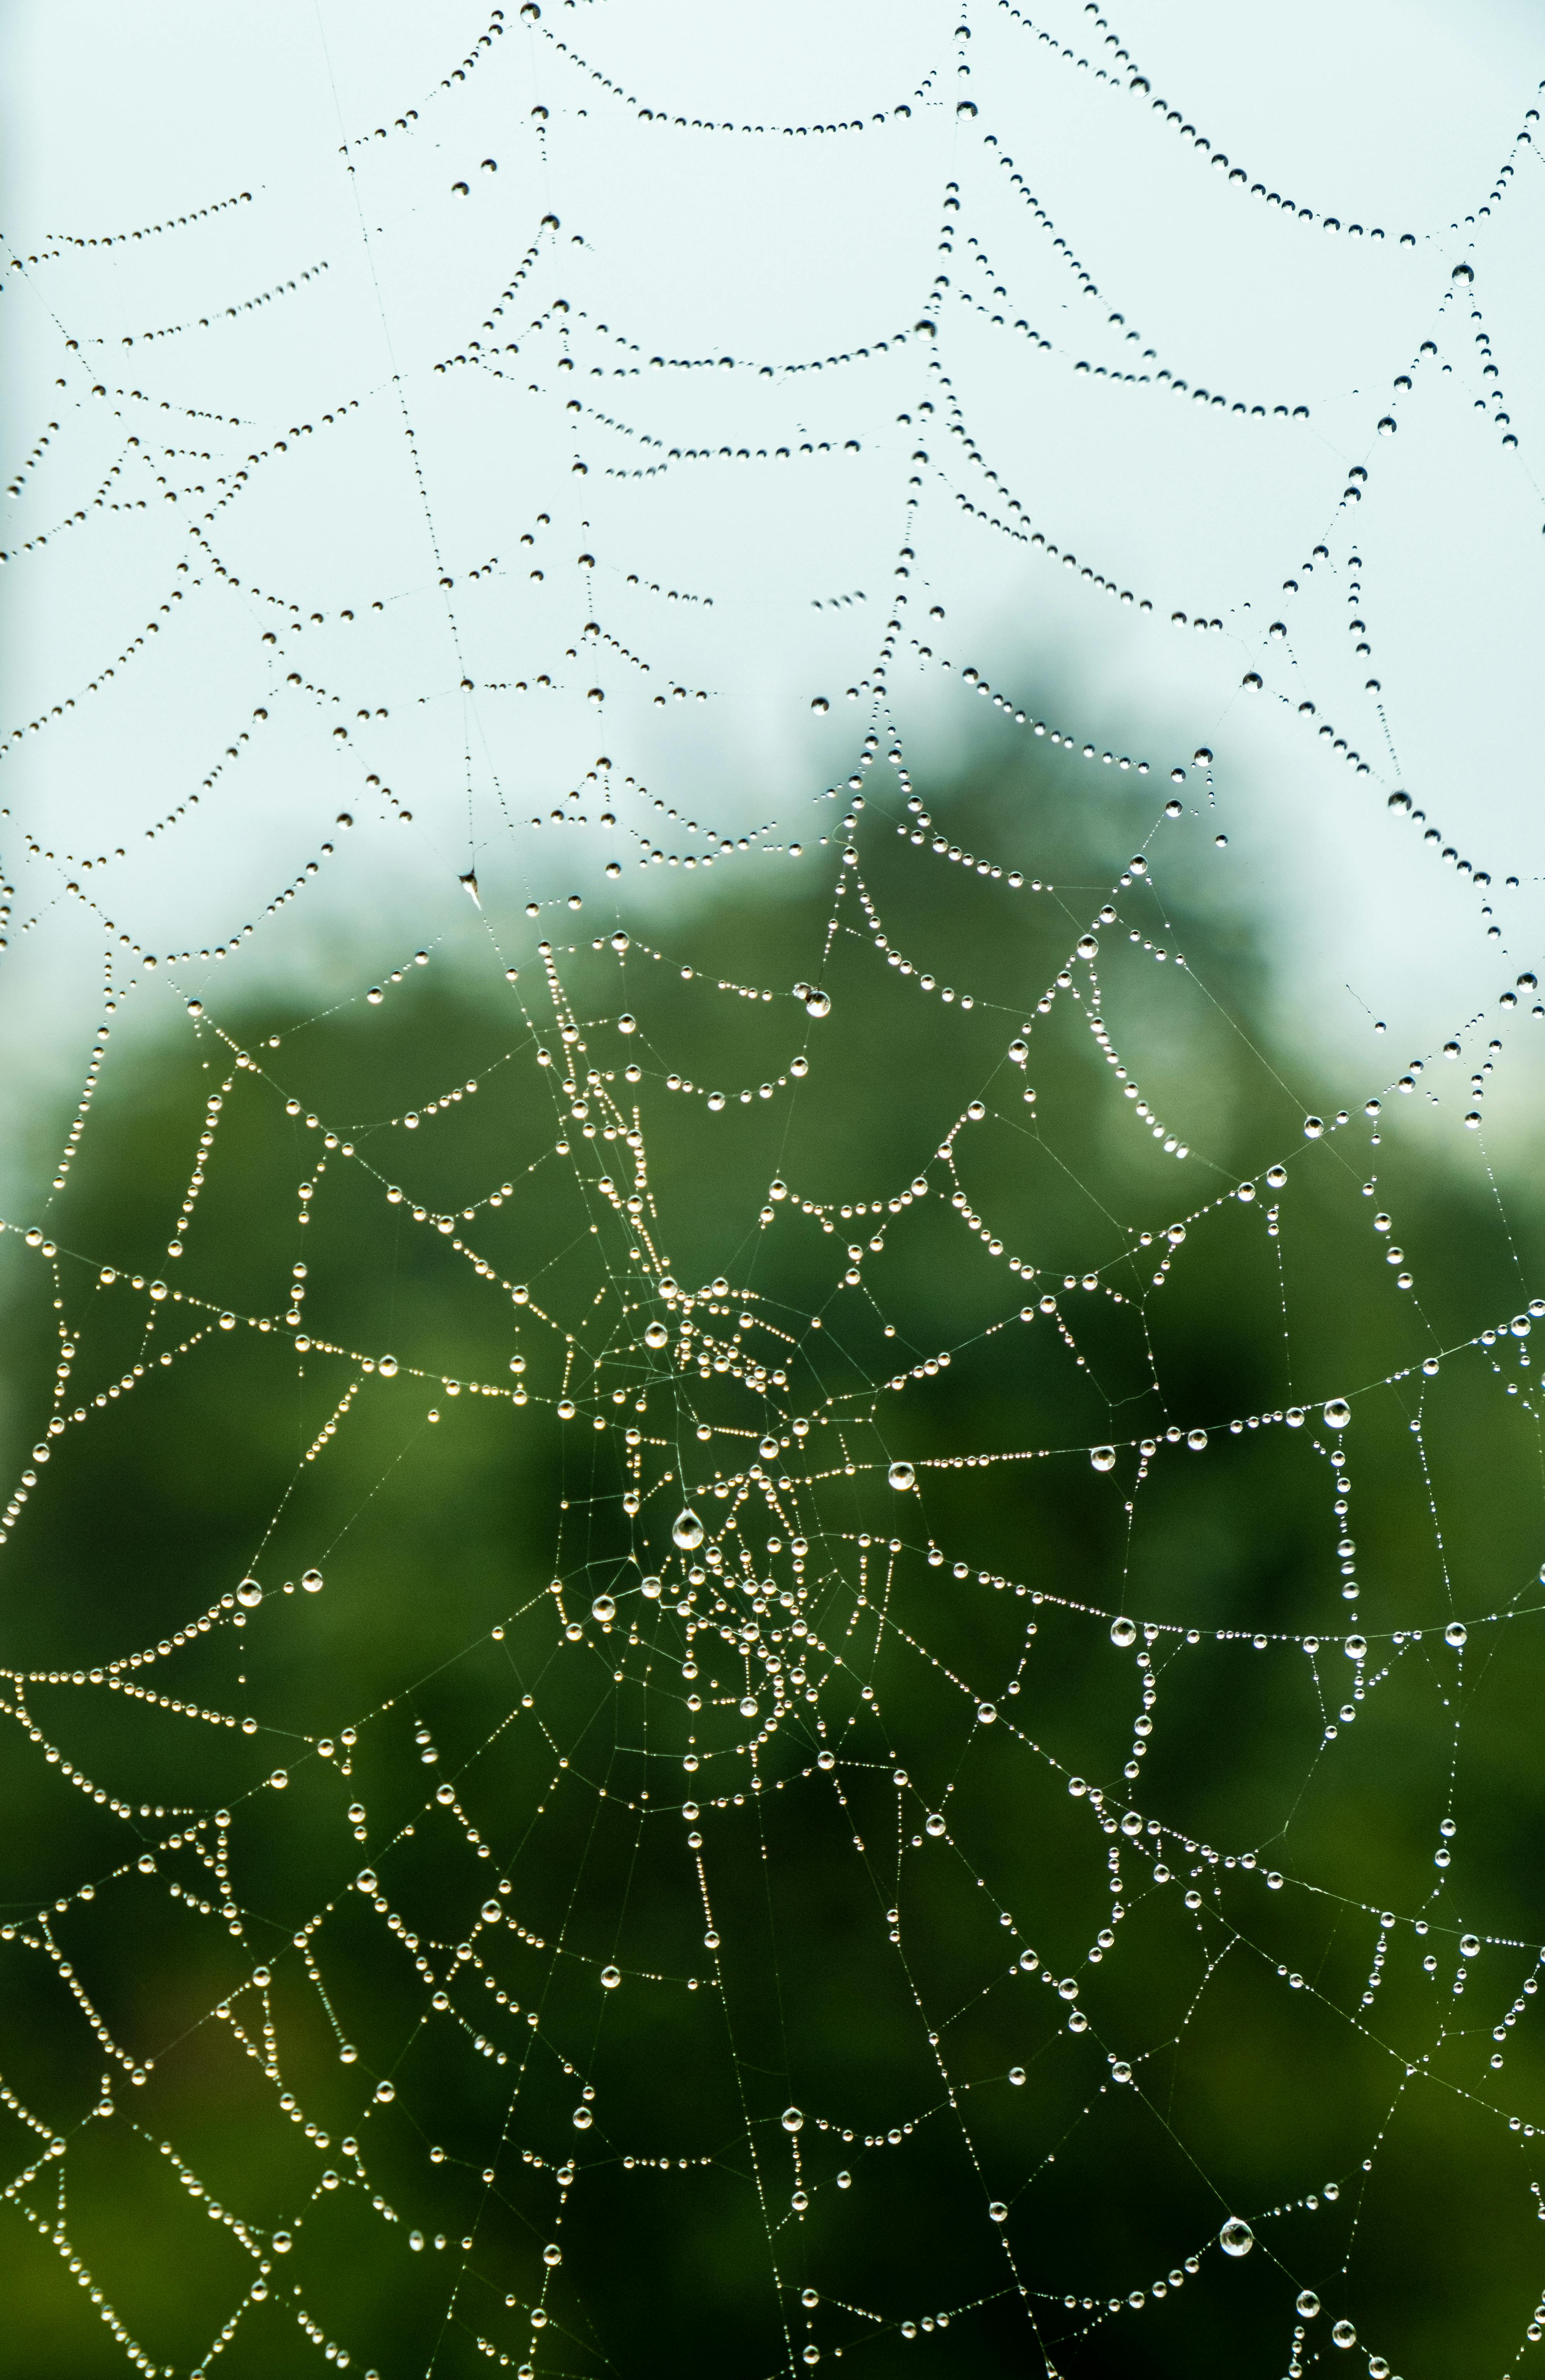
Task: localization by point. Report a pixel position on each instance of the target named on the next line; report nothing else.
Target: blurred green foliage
(1291, 2060)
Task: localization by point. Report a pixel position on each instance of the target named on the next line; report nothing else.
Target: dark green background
(1248, 2095)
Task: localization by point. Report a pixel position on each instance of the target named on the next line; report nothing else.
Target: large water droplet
(1455, 1633)
(688, 1531)
(1338, 1413)
(1123, 1632)
(794, 2120)
(1103, 1457)
(818, 1002)
(1308, 2304)
(603, 1609)
(901, 1475)
(1237, 2238)
(248, 1593)
(1344, 2334)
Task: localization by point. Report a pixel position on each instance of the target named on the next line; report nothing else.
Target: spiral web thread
(740, 1618)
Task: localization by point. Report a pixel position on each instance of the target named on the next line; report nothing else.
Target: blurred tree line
(834, 1985)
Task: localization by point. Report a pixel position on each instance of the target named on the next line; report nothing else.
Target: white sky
(771, 249)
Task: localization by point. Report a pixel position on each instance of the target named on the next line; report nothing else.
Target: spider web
(791, 1618)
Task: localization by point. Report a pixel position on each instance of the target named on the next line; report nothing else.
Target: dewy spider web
(702, 1705)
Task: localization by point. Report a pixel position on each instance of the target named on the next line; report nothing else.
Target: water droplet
(1469, 1946)
(1387, 426)
(792, 2119)
(1338, 1413)
(819, 703)
(1313, 1127)
(583, 2120)
(901, 1475)
(748, 1708)
(249, 1593)
(688, 1531)
(818, 1002)
(1237, 2238)
(1344, 2333)
(656, 1335)
(1123, 1632)
(933, 1824)
(610, 1978)
(1308, 2304)
(626, 1023)
(1455, 1633)
(387, 1367)
(1103, 1457)
(311, 1581)
(603, 1609)
(998, 2211)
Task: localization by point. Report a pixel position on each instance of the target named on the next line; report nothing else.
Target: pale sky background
(770, 249)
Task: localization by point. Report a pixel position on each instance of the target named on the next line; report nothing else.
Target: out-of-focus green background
(1292, 2062)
